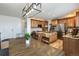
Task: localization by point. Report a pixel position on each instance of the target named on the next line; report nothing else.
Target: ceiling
(49, 10)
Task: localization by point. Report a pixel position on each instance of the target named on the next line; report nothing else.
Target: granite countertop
(71, 37)
(47, 33)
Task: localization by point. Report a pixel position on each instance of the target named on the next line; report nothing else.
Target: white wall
(10, 27)
(28, 25)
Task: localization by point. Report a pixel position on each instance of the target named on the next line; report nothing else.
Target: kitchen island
(47, 37)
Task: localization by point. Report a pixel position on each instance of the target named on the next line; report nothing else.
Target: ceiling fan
(32, 9)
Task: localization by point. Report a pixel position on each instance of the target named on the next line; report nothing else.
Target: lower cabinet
(71, 46)
(50, 37)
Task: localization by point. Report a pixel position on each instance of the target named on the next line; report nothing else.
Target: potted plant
(27, 37)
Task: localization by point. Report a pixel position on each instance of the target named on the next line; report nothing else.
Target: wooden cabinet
(77, 19)
(54, 22)
(63, 21)
(71, 22)
(49, 37)
(71, 46)
(35, 23)
(40, 23)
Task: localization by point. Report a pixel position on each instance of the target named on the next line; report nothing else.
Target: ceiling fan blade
(24, 14)
(23, 9)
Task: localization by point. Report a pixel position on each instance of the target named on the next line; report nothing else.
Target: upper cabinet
(38, 23)
(77, 19)
(54, 22)
(63, 21)
(34, 23)
(71, 22)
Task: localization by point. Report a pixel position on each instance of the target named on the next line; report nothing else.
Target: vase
(27, 43)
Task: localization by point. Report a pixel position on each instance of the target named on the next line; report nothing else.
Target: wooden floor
(37, 48)
(57, 44)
